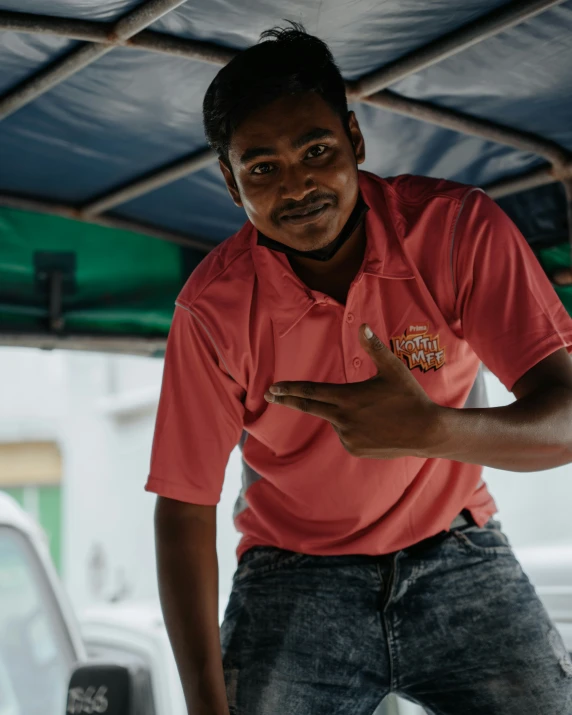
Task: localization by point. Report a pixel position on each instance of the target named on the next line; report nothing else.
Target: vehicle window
(35, 651)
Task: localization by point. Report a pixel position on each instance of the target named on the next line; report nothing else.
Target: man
(338, 336)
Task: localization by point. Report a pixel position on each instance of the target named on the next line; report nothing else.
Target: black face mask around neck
(327, 252)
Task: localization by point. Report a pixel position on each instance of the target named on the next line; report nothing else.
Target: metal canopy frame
(131, 31)
(122, 344)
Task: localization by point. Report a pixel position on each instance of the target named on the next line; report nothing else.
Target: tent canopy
(109, 195)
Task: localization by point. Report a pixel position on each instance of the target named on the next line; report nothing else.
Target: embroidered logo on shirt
(419, 348)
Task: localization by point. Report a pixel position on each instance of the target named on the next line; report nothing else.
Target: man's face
(294, 170)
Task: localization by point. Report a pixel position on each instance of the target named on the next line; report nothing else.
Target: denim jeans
(452, 623)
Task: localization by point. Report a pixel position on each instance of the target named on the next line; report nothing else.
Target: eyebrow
(312, 135)
(256, 152)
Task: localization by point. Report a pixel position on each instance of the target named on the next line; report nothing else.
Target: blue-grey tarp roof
(133, 111)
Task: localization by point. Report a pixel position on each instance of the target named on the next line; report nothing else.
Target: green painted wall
(49, 503)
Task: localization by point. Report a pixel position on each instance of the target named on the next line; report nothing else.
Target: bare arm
(531, 434)
(187, 568)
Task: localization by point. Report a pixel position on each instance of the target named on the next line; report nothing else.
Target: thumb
(379, 353)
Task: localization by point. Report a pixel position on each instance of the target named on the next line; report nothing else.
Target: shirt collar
(290, 299)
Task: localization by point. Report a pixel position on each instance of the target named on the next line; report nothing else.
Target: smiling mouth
(305, 215)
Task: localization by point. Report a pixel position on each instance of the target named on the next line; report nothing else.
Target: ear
(230, 182)
(357, 138)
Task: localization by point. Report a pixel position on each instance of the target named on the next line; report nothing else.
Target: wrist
(440, 422)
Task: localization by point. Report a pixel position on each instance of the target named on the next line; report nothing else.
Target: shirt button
(350, 317)
(357, 362)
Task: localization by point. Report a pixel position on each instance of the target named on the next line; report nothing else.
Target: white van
(39, 637)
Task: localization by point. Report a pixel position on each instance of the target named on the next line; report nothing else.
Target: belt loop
(469, 517)
(464, 518)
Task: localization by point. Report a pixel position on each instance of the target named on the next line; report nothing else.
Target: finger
(379, 353)
(320, 409)
(318, 391)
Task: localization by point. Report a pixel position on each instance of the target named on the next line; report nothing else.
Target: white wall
(32, 404)
(227, 536)
(534, 507)
(88, 497)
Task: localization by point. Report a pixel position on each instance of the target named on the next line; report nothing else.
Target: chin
(318, 245)
(311, 239)
(310, 244)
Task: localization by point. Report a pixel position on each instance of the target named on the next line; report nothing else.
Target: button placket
(350, 340)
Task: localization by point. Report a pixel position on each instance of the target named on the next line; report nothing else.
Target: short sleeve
(200, 416)
(510, 314)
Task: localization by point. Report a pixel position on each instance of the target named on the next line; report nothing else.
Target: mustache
(311, 201)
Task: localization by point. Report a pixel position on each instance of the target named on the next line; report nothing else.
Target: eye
(262, 169)
(315, 151)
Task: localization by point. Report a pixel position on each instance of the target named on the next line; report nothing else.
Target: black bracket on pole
(55, 280)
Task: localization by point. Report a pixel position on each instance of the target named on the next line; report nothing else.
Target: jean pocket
(485, 540)
(260, 560)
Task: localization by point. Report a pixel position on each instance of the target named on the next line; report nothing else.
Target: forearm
(188, 589)
(531, 434)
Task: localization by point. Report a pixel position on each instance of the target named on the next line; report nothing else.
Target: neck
(349, 256)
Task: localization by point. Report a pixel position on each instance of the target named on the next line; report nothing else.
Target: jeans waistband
(462, 519)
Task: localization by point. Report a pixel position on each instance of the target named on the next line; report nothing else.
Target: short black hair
(288, 61)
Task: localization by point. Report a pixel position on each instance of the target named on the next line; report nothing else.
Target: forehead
(282, 121)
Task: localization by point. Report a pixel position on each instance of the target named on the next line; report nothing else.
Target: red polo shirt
(447, 281)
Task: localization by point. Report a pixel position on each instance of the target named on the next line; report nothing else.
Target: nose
(297, 183)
